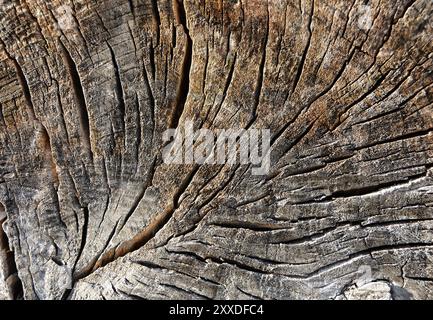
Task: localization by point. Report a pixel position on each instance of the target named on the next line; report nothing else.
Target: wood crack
(7, 259)
(183, 83)
(79, 97)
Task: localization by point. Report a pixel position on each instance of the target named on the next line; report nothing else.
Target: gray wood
(88, 88)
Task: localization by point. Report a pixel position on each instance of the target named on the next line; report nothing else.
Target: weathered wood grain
(91, 211)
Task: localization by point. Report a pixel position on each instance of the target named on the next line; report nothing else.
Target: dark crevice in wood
(157, 24)
(205, 71)
(409, 135)
(10, 270)
(46, 144)
(151, 101)
(368, 251)
(66, 294)
(131, 7)
(396, 109)
(138, 131)
(302, 170)
(79, 97)
(226, 88)
(376, 117)
(183, 84)
(84, 230)
(159, 268)
(184, 185)
(103, 257)
(250, 295)
(2, 118)
(118, 87)
(396, 222)
(362, 191)
(247, 226)
(75, 196)
(152, 60)
(25, 87)
(61, 111)
(107, 203)
(307, 47)
(148, 264)
(190, 254)
(253, 200)
(414, 94)
(106, 176)
(259, 84)
(49, 159)
(188, 292)
(130, 296)
(371, 90)
(343, 30)
(221, 188)
(239, 265)
(139, 198)
(423, 279)
(319, 233)
(297, 139)
(394, 89)
(340, 72)
(208, 200)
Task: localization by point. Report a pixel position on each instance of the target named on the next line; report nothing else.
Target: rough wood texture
(88, 87)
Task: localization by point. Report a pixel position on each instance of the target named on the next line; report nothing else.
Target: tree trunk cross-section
(90, 210)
